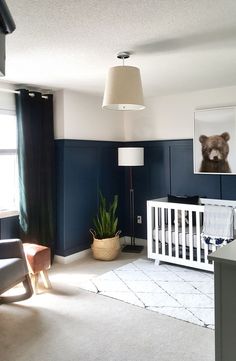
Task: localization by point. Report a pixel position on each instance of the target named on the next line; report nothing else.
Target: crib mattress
(180, 238)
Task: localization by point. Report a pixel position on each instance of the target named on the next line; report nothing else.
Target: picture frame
(214, 142)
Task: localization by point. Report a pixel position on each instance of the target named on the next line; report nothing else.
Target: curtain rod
(5, 90)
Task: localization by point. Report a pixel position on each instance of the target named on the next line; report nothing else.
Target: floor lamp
(131, 157)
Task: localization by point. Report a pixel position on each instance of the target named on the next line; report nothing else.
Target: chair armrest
(11, 248)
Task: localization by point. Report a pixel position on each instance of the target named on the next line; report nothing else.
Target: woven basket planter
(106, 249)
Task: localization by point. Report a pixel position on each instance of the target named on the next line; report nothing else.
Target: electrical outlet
(139, 219)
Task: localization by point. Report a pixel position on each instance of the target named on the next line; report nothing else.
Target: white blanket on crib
(218, 223)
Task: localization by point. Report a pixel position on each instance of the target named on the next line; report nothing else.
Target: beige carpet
(69, 324)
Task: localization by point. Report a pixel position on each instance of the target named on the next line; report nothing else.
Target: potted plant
(106, 243)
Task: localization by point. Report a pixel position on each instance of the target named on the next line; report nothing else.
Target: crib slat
(198, 236)
(157, 229)
(190, 219)
(169, 233)
(150, 220)
(163, 231)
(176, 234)
(183, 234)
(206, 249)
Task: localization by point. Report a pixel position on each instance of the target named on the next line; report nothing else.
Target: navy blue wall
(83, 167)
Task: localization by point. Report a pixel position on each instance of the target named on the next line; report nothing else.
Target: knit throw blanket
(218, 225)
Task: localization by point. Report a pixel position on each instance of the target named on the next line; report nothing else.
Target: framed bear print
(214, 144)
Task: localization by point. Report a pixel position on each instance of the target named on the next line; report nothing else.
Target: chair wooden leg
(45, 278)
(28, 293)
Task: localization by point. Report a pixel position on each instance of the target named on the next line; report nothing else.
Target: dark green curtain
(36, 167)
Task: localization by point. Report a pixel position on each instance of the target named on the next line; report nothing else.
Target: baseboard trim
(80, 255)
(138, 241)
(72, 258)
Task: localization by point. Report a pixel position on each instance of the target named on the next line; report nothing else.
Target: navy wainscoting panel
(158, 170)
(228, 183)
(183, 180)
(83, 168)
(150, 181)
(60, 195)
(81, 180)
(112, 180)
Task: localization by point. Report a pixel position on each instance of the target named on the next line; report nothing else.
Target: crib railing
(174, 234)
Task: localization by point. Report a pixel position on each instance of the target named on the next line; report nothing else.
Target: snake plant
(105, 223)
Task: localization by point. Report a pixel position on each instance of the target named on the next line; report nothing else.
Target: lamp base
(132, 249)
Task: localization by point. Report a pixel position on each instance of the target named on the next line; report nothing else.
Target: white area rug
(178, 292)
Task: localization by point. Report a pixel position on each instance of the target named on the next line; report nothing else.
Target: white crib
(174, 236)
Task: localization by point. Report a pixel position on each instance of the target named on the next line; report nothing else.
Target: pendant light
(123, 90)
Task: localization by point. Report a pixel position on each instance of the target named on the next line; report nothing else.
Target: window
(9, 191)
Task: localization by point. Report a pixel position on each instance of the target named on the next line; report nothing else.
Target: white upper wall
(58, 110)
(7, 100)
(80, 116)
(172, 117)
(76, 115)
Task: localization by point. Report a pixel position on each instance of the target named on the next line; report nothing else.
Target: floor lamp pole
(131, 207)
(132, 248)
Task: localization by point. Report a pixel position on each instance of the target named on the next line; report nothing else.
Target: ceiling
(179, 45)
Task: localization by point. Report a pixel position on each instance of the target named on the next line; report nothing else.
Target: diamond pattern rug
(174, 291)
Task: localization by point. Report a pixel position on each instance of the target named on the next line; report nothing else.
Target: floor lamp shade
(123, 90)
(131, 157)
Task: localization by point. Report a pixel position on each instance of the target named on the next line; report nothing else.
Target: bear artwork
(215, 150)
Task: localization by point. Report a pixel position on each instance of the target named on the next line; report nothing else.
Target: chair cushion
(39, 257)
(12, 270)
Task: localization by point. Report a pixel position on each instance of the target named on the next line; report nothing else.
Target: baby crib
(174, 232)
